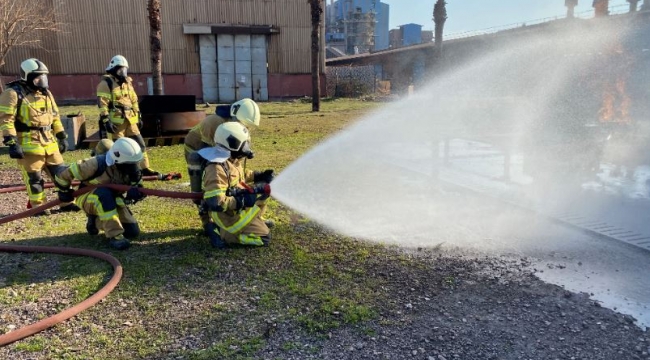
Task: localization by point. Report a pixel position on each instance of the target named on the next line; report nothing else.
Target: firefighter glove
(245, 200)
(265, 176)
(140, 123)
(107, 125)
(15, 150)
(61, 138)
(66, 195)
(133, 195)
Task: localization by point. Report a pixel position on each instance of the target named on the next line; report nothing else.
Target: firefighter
(31, 126)
(201, 136)
(235, 215)
(119, 112)
(107, 209)
(102, 147)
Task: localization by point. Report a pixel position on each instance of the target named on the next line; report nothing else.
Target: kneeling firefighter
(201, 136)
(32, 128)
(234, 207)
(107, 209)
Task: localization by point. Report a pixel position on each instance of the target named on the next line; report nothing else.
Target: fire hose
(41, 325)
(20, 187)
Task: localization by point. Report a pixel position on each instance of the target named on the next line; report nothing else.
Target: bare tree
(24, 23)
(316, 20)
(439, 18)
(155, 41)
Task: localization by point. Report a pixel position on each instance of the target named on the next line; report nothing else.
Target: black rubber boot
(69, 208)
(212, 231)
(266, 239)
(119, 242)
(91, 225)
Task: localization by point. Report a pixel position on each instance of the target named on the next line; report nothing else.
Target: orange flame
(616, 103)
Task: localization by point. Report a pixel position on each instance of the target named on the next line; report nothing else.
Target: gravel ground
(485, 308)
(456, 306)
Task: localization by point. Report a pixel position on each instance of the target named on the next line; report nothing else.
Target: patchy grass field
(310, 295)
(178, 295)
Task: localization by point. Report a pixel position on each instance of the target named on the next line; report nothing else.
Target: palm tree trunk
(439, 18)
(316, 19)
(155, 41)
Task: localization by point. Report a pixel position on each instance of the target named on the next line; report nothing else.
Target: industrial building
(409, 34)
(217, 50)
(356, 26)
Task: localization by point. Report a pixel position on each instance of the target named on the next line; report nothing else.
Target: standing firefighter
(31, 126)
(107, 209)
(234, 207)
(201, 136)
(119, 112)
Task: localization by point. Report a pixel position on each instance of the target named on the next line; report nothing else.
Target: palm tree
(439, 18)
(316, 20)
(155, 41)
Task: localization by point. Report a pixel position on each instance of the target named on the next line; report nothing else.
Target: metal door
(233, 67)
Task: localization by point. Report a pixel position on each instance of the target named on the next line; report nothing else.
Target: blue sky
(468, 15)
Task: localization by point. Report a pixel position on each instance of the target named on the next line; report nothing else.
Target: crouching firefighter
(201, 136)
(31, 126)
(107, 209)
(119, 111)
(233, 206)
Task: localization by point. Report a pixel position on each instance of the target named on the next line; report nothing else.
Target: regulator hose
(41, 325)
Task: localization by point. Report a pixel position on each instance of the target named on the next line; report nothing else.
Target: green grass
(175, 287)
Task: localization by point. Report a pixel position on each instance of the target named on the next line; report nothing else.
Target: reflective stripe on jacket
(216, 181)
(37, 110)
(119, 102)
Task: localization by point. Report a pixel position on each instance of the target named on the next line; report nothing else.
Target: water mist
(516, 128)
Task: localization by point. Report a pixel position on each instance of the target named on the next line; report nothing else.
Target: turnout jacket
(119, 102)
(94, 171)
(34, 123)
(202, 135)
(218, 178)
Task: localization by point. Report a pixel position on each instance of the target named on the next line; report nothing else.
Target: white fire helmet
(246, 111)
(117, 60)
(231, 135)
(124, 151)
(32, 66)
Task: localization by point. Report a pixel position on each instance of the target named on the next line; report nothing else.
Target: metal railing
(613, 10)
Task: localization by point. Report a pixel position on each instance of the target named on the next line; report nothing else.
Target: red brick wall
(77, 88)
(291, 86)
(68, 88)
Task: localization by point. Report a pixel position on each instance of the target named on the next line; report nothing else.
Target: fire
(616, 103)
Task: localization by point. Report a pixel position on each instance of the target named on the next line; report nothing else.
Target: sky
(471, 15)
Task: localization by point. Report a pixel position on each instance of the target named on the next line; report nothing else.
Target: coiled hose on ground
(41, 325)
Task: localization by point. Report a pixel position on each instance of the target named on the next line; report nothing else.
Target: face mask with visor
(122, 72)
(40, 82)
(131, 170)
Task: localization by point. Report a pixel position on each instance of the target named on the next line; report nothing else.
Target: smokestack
(570, 7)
(601, 8)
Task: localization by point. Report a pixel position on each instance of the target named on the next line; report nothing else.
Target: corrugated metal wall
(95, 30)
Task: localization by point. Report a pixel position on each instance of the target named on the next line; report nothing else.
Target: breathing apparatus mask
(243, 152)
(120, 72)
(38, 82)
(130, 170)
